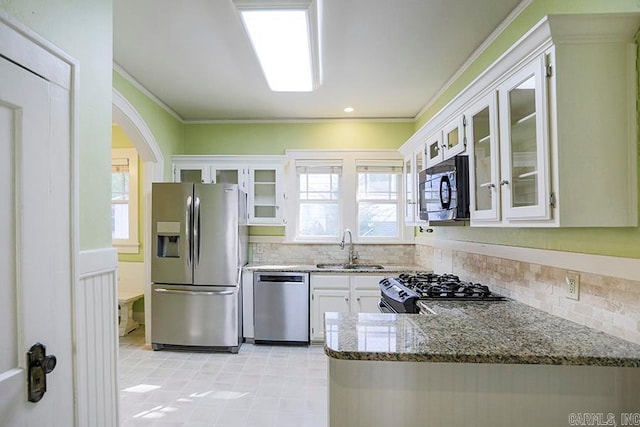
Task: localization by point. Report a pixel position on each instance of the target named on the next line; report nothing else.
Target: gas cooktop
(401, 294)
(446, 286)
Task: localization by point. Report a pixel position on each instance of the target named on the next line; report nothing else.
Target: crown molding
(128, 77)
(479, 51)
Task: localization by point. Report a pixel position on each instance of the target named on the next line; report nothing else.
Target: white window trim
(340, 202)
(132, 244)
(348, 189)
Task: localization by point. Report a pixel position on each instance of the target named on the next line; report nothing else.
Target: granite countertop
(312, 268)
(474, 332)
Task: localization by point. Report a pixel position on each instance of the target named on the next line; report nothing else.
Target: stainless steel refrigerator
(199, 247)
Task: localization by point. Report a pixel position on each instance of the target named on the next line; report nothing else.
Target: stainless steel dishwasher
(281, 307)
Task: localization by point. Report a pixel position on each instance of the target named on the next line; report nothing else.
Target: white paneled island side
(476, 364)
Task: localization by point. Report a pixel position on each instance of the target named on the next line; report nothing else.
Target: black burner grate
(446, 286)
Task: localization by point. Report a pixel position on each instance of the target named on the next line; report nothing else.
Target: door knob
(39, 365)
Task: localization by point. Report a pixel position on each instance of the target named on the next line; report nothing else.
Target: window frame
(386, 167)
(348, 193)
(318, 165)
(132, 244)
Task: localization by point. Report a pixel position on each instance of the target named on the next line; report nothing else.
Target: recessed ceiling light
(282, 37)
(348, 110)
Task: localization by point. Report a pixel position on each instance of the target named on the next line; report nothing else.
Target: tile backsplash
(608, 304)
(289, 253)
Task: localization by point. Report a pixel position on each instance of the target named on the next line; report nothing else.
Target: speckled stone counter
(312, 268)
(474, 332)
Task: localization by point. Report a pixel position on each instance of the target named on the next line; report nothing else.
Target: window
(377, 201)
(124, 200)
(319, 200)
(356, 189)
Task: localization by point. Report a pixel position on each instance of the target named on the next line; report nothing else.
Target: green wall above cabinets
(275, 138)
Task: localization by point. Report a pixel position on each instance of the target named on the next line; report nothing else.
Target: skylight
(282, 40)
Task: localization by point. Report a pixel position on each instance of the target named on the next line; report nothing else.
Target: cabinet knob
(358, 299)
(346, 299)
(504, 182)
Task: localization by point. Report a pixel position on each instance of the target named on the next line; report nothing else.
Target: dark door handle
(39, 365)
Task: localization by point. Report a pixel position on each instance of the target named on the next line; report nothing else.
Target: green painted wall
(624, 242)
(119, 139)
(83, 29)
(167, 131)
(275, 138)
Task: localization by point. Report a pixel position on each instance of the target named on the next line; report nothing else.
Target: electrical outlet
(573, 285)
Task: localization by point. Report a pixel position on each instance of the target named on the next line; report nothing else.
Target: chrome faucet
(352, 256)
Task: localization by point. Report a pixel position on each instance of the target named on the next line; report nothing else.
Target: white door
(366, 301)
(326, 300)
(35, 245)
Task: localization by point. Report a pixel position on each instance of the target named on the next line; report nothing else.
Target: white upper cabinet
(484, 159)
(192, 172)
(413, 164)
(446, 142)
(560, 147)
(524, 181)
(266, 197)
(434, 149)
(453, 139)
(260, 177)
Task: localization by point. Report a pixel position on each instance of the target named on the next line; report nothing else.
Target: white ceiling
(385, 58)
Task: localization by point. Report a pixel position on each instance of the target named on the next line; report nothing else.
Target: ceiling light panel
(283, 38)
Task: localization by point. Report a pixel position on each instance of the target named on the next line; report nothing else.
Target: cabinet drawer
(368, 281)
(330, 281)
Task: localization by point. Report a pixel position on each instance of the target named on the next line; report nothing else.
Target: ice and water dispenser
(168, 235)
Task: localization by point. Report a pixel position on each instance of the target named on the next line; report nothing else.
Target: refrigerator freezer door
(216, 235)
(203, 316)
(171, 218)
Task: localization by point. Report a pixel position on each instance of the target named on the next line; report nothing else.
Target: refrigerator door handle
(177, 291)
(188, 230)
(196, 231)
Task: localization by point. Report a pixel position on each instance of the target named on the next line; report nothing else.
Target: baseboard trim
(624, 268)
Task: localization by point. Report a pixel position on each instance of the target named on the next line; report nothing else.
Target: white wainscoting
(96, 338)
(407, 394)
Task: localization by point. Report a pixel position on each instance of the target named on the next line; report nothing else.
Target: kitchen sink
(350, 266)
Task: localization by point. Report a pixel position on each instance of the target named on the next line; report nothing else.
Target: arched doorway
(125, 115)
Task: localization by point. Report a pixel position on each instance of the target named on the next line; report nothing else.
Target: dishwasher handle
(280, 283)
(281, 279)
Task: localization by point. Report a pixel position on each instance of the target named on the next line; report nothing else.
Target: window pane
(120, 221)
(120, 186)
(377, 219)
(378, 186)
(318, 186)
(318, 219)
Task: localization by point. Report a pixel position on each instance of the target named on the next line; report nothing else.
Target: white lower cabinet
(345, 293)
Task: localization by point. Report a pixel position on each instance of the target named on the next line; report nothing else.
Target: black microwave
(443, 191)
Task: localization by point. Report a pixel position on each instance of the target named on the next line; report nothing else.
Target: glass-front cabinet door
(231, 174)
(453, 138)
(413, 164)
(524, 144)
(266, 197)
(434, 149)
(199, 173)
(409, 197)
(484, 163)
